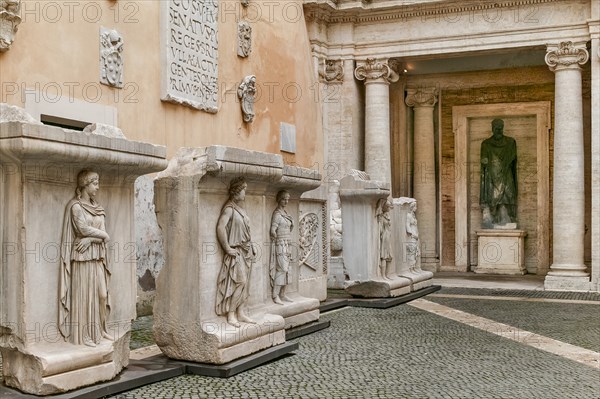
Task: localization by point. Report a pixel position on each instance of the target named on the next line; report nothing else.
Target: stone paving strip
(578, 354)
(513, 298)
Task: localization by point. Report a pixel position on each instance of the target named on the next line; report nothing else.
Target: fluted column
(568, 270)
(424, 188)
(377, 76)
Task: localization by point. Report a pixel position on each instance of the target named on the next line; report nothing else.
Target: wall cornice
(338, 11)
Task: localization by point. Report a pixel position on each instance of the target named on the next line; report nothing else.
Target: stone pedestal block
(55, 333)
(362, 239)
(501, 251)
(197, 295)
(406, 244)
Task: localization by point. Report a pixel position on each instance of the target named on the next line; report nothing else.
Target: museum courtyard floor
(475, 338)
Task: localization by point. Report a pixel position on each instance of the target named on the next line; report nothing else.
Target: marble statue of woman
(84, 271)
(412, 234)
(385, 241)
(280, 261)
(233, 233)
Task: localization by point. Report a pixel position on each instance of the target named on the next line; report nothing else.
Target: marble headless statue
(233, 234)
(498, 184)
(84, 271)
(280, 260)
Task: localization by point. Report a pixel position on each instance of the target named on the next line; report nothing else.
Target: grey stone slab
(306, 329)
(137, 374)
(384, 303)
(240, 365)
(332, 304)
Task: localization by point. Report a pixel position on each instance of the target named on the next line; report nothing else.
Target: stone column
(424, 189)
(377, 76)
(595, 60)
(568, 270)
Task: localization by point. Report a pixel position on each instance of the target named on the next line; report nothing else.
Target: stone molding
(566, 55)
(423, 97)
(359, 12)
(371, 70)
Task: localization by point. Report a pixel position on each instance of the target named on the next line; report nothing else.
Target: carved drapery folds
(566, 55)
(246, 93)
(244, 39)
(372, 69)
(111, 61)
(421, 97)
(332, 71)
(10, 19)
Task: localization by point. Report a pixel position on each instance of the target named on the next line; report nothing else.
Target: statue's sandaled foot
(277, 300)
(231, 319)
(242, 317)
(89, 342)
(286, 298)
(107, 336)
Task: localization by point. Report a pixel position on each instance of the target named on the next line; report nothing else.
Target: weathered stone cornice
(566, 55)
(340, 11)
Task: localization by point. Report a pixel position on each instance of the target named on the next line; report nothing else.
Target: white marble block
(64, 253)
(191, 319)
(501, 251)
(361, 246)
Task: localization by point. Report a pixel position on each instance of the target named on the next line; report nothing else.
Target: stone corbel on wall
(10, 19)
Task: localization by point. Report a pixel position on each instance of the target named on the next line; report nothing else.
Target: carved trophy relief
(84, 303)
(246, 93)
(10, 19)
(111, 61)
(244, 39)
(309, 227)
(280, 262)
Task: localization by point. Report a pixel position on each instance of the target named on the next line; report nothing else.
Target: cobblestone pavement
(576, 324)
(404, 352)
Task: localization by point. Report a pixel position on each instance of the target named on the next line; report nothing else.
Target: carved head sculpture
(237, 188)
(85, 178)
(498, 127)
(283, 198)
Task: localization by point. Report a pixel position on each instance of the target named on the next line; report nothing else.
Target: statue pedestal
(359, 199)
(189, 198)
(39, 167)
(501, 251)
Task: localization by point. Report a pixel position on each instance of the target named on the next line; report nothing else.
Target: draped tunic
(234, 275)
(84, 276)
(279, 263)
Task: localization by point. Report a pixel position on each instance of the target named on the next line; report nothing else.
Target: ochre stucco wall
(57, 46)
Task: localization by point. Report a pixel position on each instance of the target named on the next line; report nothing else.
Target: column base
(566, 283)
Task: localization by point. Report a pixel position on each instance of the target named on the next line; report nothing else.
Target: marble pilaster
(568, 270)
(424, 187)
(377, 76)
(595, 61)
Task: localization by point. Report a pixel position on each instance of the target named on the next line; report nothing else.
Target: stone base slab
(501, 252)
(216, 341)
(301, 311)
(419, 279)
(384, 303)
(51, 369)
(563, 283)
(379, 288)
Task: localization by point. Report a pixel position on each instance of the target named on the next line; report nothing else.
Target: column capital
(372, 70)
(566, 55)
(421, 97)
